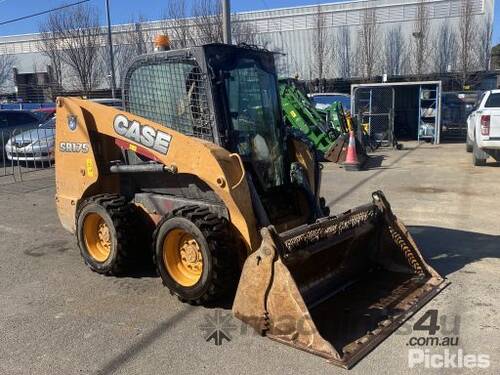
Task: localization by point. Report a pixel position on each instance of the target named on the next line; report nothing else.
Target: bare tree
(445, 55)
(343, 53)
(207, 18)
(49, 46)
(467, 40)
(395, 51)
(205, 26)
(7, 62)
(421, 42)
(495, 57)
(281, 60)
(138, 39)
(369, 43)
(76, 37)
(127, 45)
(176, 24)
(245, 32)
(485, 45)
(320, 45)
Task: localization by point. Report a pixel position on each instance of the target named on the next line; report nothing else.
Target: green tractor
(327, 130)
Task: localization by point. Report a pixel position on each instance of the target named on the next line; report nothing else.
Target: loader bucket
(338, 287)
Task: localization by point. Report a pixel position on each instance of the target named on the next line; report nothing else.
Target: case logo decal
(142, 134)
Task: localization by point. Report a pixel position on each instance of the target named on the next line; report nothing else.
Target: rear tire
(105, 233)
(478, 156)
(195, 255)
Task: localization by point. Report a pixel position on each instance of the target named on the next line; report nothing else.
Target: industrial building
(292, 31)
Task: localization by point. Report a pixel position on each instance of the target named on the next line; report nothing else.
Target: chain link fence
(26, 138)
(26, 142)
(374, 110)
(26, 149)
(31, 96)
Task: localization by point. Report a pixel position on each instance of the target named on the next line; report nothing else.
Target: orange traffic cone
(351, 160)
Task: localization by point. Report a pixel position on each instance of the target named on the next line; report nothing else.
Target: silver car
(33, 145)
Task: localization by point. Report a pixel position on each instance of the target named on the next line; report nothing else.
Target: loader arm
(304, 117)
(327, 130)
(85, 166)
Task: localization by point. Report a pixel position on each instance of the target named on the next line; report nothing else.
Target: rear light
(485, 125)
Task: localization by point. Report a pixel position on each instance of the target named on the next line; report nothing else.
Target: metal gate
(26, 150)
(374, 110)
(455, 108)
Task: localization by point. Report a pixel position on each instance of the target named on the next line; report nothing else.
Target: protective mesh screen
(171, 92)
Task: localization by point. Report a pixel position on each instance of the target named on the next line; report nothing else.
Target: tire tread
(216, 232)
(121, 213)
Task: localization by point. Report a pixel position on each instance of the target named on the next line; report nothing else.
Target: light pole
(111, 55)
(226, 21)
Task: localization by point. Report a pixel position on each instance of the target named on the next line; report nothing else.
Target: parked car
(17, 119)
(326, 99)
(33, 145)
(483, 128)
(12, 122)
(44, 113)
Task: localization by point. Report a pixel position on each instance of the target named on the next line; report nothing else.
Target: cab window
(493, 101)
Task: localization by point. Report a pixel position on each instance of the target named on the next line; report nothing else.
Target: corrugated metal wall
(292, 30)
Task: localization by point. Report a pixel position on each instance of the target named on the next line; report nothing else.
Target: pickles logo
(142, 134)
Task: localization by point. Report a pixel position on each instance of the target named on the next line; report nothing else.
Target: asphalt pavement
(58, 317)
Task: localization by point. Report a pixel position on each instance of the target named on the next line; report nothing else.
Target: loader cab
(247, 103)
(223, 94)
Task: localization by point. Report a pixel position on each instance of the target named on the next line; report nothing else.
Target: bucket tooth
(338, 287)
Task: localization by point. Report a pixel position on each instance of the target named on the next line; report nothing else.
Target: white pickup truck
(483, 128)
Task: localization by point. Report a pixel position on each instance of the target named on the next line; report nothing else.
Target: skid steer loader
(199, 156)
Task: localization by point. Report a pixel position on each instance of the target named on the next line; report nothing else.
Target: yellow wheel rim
(97, 237)
(182, 257)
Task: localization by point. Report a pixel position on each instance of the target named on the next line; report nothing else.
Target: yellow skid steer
(199, 171)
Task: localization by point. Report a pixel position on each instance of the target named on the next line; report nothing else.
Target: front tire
(195, 255)
(468, 144)
(104, 233)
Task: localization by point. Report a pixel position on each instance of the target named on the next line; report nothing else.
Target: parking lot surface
(58, 317)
